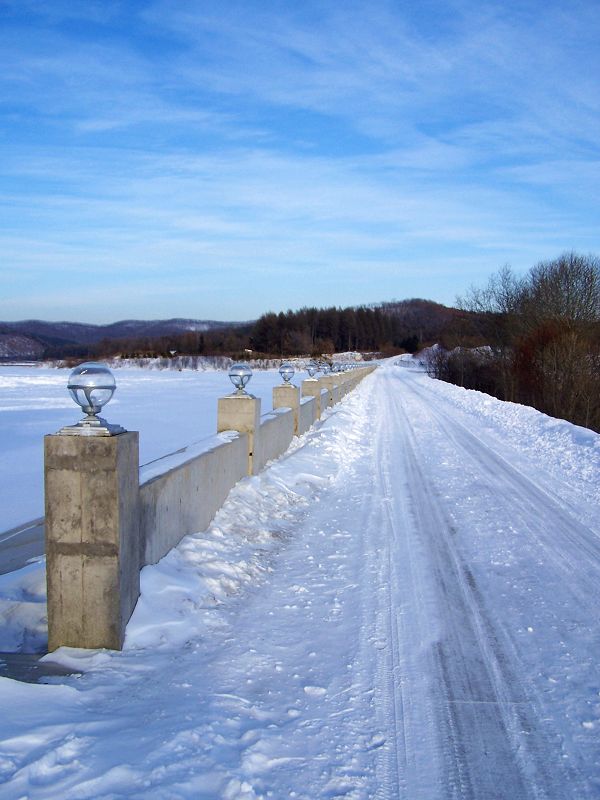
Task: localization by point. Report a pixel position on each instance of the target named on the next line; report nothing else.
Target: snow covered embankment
(569, 452)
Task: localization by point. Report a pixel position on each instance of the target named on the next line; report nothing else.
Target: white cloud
(309, 140)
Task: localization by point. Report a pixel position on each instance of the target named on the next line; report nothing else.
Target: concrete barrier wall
(182, 492)
(311, 387)
(185, 498)
(333, 384)
(106, 518)
(307, 414)
(323, 396)
(275, 435)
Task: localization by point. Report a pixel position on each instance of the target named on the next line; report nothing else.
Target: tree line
(389, 329)
(230, 341)
(541, 337)
(328, 330)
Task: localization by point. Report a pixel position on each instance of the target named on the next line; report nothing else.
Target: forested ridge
(387, 328)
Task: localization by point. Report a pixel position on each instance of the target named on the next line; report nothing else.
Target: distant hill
(427, 315)
(76, 333)
(426, 322)
(15, 345)
(33, 337)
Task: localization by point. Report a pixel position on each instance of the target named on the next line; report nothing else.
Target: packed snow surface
(403, 606)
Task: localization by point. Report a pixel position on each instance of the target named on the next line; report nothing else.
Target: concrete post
(311, 387)
(288, 396)
(92, 538)
(241, 412)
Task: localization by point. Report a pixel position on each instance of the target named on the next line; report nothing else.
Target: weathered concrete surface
(288, 396)
(331, 384)
(276, 434)
(312, 387)
(186, 498)
(92, 538)
(307, 414)
(241, 412)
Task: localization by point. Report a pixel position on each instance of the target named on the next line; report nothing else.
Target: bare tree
(544, 336)
(565, 290)
(502, 295)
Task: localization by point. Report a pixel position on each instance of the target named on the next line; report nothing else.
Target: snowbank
(568, 451)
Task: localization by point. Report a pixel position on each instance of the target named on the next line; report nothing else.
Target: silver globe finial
(312, 369)
(287, 371)
(92, 385)
(239, 375)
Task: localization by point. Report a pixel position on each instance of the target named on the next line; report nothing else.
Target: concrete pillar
(311, 387)
(241, 412)
(288, 396)
(92, 538)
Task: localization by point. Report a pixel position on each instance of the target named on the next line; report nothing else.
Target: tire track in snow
(436, 763)
(392, 761)
(553, 546)
(547, 519)
(412, 764)
(489, 733)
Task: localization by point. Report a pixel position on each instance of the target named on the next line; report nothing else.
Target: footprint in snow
(315, 691)
(378, 740)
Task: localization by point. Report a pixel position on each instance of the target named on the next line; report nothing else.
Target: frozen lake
(170, 409)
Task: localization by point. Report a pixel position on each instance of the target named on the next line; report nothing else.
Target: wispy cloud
(344, 152)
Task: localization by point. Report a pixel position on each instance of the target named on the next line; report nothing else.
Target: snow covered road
(484, 563)
(404, 606)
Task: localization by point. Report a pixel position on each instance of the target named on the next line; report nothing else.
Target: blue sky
(218, 160)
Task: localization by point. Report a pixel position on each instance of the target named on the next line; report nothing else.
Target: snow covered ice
(405, 605)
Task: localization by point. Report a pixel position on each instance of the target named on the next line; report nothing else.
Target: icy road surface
(404, 606)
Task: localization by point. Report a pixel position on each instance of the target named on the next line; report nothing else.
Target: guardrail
(106, 518)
